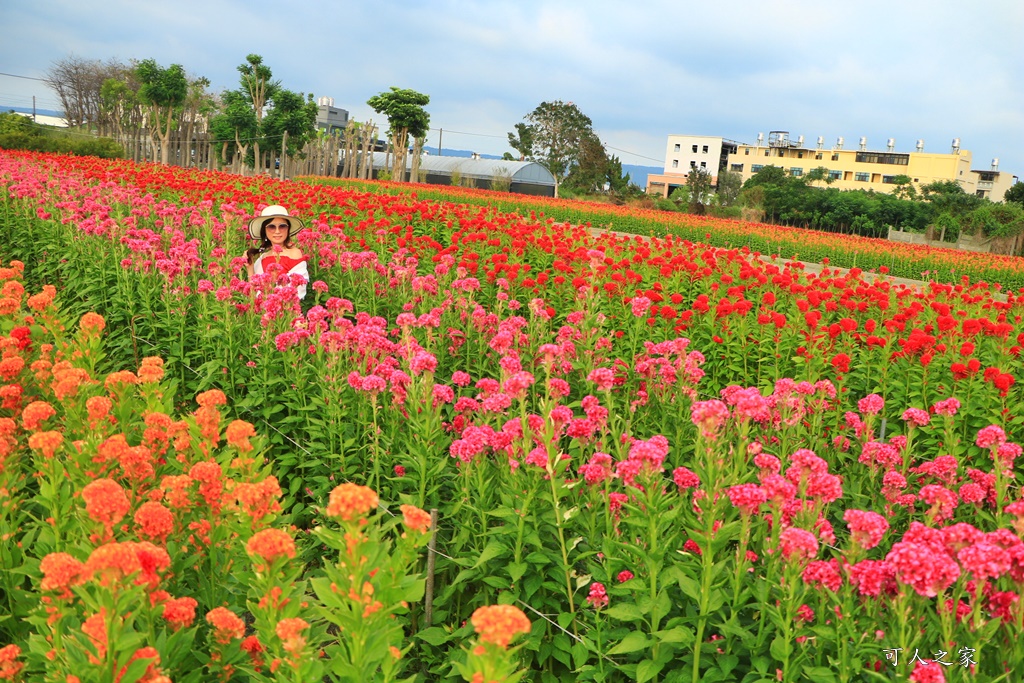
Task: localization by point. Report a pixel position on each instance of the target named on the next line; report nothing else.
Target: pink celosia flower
(866, 527)
(797, 544)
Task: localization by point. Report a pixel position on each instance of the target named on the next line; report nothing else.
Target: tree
(259, 89)
(235, 128)
(77, 82)
(406, 117)
(698, 185)
(821, 174)
(1015, 194)
(728, 190)
(293, 116)
(769, 175)
(590, 173)
(554, 135)
(904, 187)
(162, 90)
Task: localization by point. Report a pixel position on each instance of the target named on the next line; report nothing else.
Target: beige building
(683, 152)
(857, 168)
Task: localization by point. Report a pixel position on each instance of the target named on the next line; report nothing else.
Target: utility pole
(440, 134)
(33, 108)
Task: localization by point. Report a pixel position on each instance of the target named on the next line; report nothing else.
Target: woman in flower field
(274, 229)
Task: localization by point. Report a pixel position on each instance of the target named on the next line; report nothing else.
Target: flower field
(650, 459)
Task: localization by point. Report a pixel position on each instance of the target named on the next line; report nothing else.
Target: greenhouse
(524, 177)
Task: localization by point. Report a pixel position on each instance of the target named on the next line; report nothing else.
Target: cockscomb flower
(984, 560)
(270, 544)
(415, 519)
(709, 417)
(866, 527)
(154, 521)
(226, 625)
(926, 571)
(797, 544)
(351, 501)
(105, 502)
(180, 612)
(872, 404)
(916, 417)
(499, 624)
(35, 414)
(598, 596)
(748, 498)
(991, 436)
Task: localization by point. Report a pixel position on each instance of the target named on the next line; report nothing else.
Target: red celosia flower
(984, 560)
(873, 577)
(747, 498)
(926, 571)
(499, 624)
(349, 501)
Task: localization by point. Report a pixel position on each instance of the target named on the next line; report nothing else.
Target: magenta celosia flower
(824, 574)
(624, 576)
(872, 577)
(603, 378)
(872, 404)
(942, 501)
(598, 597)
(927, 671)
(685, 478)
(971, 493)
(947, 407)
(768, 463)
(747, 498)
(537, 457)
(984, 560)
(460, 378)
(990, 436)
(709, 417)
(916, 417)
(919, 566)
(797, 544)
(866, 527)
(640, 305)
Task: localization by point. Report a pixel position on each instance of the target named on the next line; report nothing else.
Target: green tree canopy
(163, 90)
(404, 110)
(556, 135)
(1015, 194)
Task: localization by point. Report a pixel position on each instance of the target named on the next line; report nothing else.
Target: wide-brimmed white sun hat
(274, 211)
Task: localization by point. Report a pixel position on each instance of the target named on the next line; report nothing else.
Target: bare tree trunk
(284, 155)
(414, 172)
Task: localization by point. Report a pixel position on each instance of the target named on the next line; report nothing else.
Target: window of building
(754, 168)
(693, 164)
(888, 179)
(705, 150)
(862, 177)
(799, 155)
(883, 158)
(980, 193)
(746, 150)
(695, 149)
(835, 157)
(675, 163)
(766, 152)
(703, 164)
(818, 156)
(677, 147)
(835, 175)
(796, 171)
(737, 168)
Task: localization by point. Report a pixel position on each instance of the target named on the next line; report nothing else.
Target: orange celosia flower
(271, 544)
(415, 518)
(12, 288)
(226, 624)
(116, 380)
(155, 522)
(151, 370)
(96, 628)
(259, 499)
(137, 464)
(11, 367)
(98, 408)
(11, 395)
(92, 323)
(35, 414)
(111, 449)
(178, 489)
(238, 433)
(253, 646)
(105, 501)
(208, 473)
(499, 624)
(349, 501)
(180, 612)
(290, 633)
(9, 664)
(46, 442)
(211, 398)
(112, 562)
(60, 571)
(152, 672)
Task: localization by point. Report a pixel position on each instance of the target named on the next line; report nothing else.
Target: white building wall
(684, 151)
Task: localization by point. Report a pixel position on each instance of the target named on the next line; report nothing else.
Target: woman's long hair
(254, 253)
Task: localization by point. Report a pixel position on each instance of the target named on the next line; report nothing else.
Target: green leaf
(679, 634)
(646, 670)
(435, 635)
(819, 673)
(780, 648)
(490, 551)
(625, 611)
(633, 642)
(689, 587)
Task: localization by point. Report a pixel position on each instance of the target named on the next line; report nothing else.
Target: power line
(27, 78)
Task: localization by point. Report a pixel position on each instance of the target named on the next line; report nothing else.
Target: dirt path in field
(809, 268)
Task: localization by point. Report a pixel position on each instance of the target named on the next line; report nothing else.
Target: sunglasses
(281, 226)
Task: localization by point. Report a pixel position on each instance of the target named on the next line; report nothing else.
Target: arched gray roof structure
(524, 175)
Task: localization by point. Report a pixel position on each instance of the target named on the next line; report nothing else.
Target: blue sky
(910, 69)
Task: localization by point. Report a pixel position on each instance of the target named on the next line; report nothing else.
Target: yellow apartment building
(858, 168)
